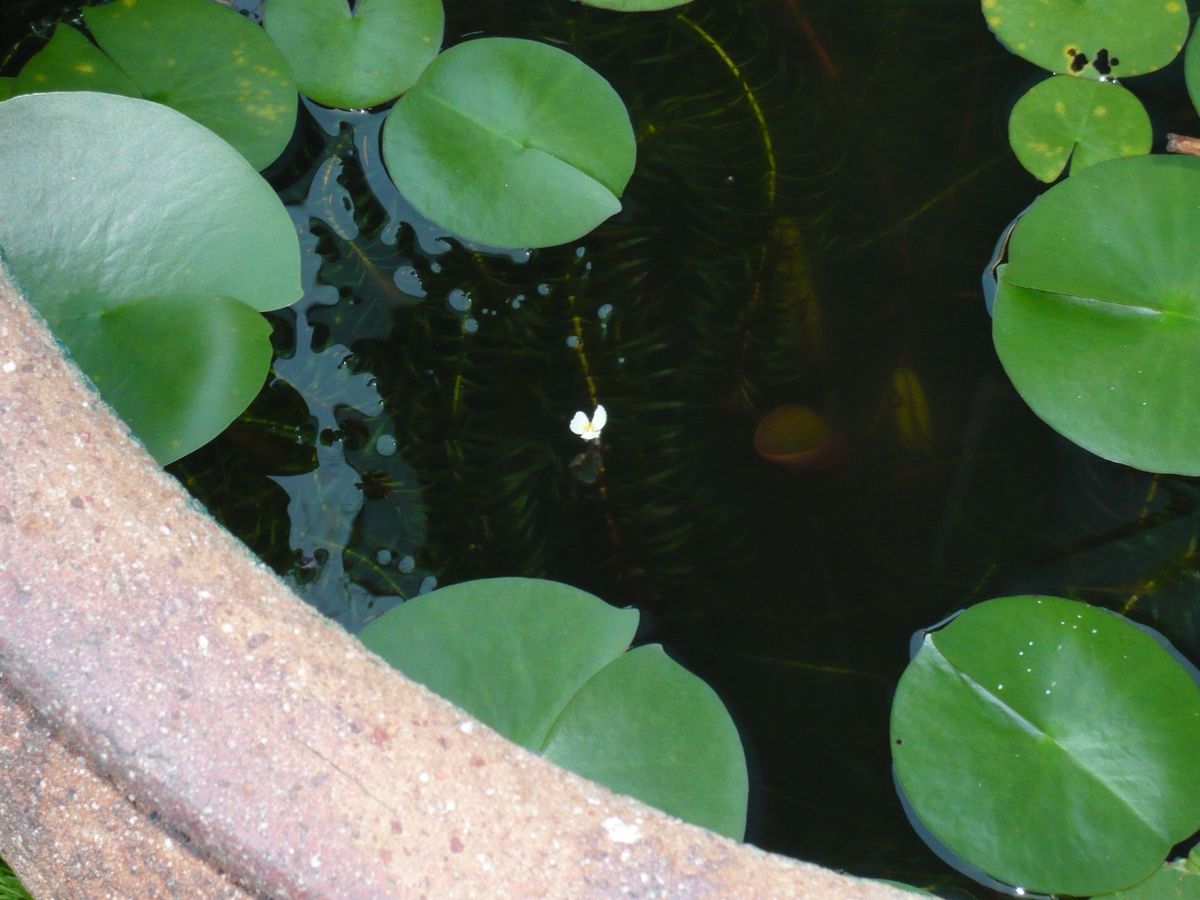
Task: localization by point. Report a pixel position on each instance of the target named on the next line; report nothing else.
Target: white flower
(589, 429)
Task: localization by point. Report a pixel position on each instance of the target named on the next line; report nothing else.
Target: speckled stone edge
(169, 668)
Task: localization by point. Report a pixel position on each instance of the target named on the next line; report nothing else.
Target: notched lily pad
(1049, 743)
(70, 62)
(635, 5)
(545, 665)
(195, 56)
(1097, 313)
(535, 154)
(1086, 122)
(148, 244)
(356, 58)
(1117, 38)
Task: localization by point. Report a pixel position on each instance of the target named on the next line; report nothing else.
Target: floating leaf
(534, 154)
(70, 62)
(209, 63)
(796, 437)
(635, 5)
(1114, 38)
(1049, 743)
(1172, 881)
(136, 205)
(645, 726)
(1086, 122)
(544, 664)
(8, 88)
(356, 58)
(1097, 315)
(1191, 70)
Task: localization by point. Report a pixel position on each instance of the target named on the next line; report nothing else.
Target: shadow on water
(818, 187)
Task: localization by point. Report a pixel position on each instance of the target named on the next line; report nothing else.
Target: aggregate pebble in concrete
(174, 667)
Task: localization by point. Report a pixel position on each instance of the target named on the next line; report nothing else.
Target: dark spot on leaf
(899, 741)
(1102, 63)
(1079, 62)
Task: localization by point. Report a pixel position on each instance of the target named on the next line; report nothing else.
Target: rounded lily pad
(643, 720)
(356, 58)
(1117, 38)
(1086, 122)
(1049, 743)
(510, 651)
(511, 143)
(209, 63)
(1191, 70)
(635, 5)
(109, 204)
(70, 62)
(1097, 313)
(545, 665)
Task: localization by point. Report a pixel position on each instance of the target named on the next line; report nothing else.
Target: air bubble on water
(458, 300)
(383, 557)
(406, 564)
(435, 267)
(428, 583)
(543, 289)
(572, 341)
(470, 326)
(604, 313)
(580, 252)
(620, 360)
(516, 301)
(409, 281)
(385, 445)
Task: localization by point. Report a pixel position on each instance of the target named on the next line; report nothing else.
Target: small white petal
(599, 418)
(580, 423)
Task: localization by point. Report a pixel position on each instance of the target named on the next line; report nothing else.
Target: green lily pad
(1051, 744)
(1097, 313)
(218, 369)
(1091, 38)
(1084, 121)
(532, 155)
(1172, 881)
(70, 62)
(8, 88)
(1191, 70)
(356, 58)
(209, 63)
(109, 205)
(545, 665)
(635, 5)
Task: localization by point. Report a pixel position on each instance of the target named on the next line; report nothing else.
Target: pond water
(819, 185)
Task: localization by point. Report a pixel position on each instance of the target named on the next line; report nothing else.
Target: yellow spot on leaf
(1100, 111)
(1171, 6)
(85, 68)
(994, 21)
(1060, 107)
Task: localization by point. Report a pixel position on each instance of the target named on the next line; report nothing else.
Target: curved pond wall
(173, 722)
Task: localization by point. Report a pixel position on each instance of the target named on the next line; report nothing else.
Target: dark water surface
(819, 185)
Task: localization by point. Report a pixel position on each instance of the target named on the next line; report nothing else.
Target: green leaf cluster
(1081, 114)
(193, 55)
(506, 142)
(546, 666)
